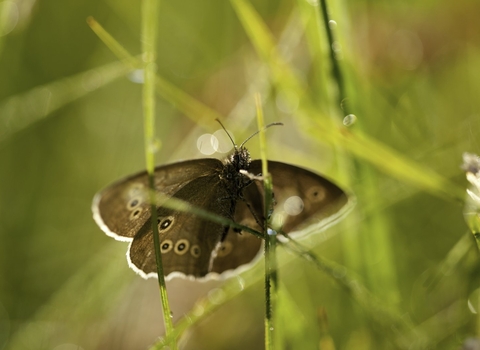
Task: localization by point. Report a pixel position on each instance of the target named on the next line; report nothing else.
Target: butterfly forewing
(122, 209)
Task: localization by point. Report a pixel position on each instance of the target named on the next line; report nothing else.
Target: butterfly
(196, 248)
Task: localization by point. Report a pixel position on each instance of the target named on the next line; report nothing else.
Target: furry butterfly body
(196, 248)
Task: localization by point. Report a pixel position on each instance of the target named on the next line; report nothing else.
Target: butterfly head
(239, 159)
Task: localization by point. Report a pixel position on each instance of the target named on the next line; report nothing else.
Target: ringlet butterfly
(196, 248)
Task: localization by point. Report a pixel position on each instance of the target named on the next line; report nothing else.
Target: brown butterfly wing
(123, 212)
(318, 198)
(187, 241)
(122, 209)
(302, 197)
(240, 248)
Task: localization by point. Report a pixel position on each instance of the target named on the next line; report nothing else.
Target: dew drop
(349, 120)
(271, 232)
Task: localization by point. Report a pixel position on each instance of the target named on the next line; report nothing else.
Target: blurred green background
(71, 123)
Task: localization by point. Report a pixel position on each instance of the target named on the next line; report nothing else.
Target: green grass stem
(270, 239)
(150, 9)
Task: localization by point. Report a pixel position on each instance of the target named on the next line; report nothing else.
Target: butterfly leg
(257, 213)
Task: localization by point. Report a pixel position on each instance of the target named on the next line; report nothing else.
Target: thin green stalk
(149, 36)
(114, 46)
(270, 236)
(336, 71)
(270, 287)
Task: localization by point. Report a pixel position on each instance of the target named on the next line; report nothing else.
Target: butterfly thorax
(234, 179)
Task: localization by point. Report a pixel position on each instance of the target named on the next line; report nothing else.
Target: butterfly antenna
(256, 132)
(230, 137)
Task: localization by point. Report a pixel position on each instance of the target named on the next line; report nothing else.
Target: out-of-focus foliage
(71, 122)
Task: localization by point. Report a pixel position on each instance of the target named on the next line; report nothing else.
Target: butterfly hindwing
(187, 241)
(301, 196)
(240, 248)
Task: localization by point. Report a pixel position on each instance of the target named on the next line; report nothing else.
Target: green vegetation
(400, 272)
